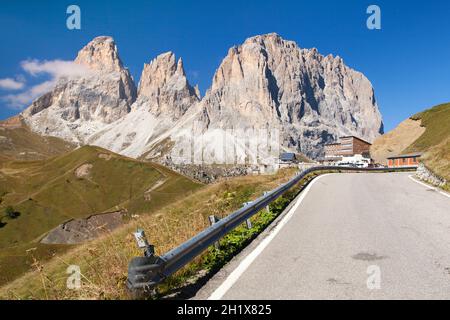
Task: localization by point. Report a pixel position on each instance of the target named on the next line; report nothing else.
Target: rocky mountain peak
(164, 84)
(164, 96)
(314, 99)
(269, 39)
(78, 107)
(100, 54)
(180, 67)
(157, 73)
(266, 82)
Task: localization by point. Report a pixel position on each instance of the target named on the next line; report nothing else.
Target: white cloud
(11, 84)
(18, 101)
(56, 69)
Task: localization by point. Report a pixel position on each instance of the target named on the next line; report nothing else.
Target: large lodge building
(347, 147)
(355, 149)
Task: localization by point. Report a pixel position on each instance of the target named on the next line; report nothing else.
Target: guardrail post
(267, 207)
(142, 243)
(248, 223)
(142, 270)
(213, 220)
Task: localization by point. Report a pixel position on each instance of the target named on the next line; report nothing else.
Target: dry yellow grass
(438, 158)
(104, 261)
(397, 140)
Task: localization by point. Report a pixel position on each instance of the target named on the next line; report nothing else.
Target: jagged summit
(272, 37)
(164, 84)
(160, 72)
(80, 106)
(100, 54)
(164, 96)
(266, 82)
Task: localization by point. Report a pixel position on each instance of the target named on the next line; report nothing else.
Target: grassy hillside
(435, 141)
(104, 261)
(394, 142)
(437, 158)
(437, 123)
(78, 184)
(18, 142)
(427, 132)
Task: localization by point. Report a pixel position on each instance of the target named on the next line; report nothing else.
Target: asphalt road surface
(353, 236)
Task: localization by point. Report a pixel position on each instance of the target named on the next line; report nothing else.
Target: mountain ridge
(265, 83)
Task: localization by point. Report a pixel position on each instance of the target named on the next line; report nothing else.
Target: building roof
(409, 155)
(355, 138)
(288, 156)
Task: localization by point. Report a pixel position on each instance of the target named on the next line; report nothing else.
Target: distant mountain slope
(77, 184)
(18, 142)
(397, 140)
(432, 138)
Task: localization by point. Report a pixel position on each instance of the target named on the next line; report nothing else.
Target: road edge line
(234, 276)
(428, 186)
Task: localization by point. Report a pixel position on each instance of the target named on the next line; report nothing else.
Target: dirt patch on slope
(105, 156)
(397, 140)
(83, 170)
(77, 231)
(159, 183)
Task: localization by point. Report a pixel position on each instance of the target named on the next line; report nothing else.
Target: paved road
(346, 226)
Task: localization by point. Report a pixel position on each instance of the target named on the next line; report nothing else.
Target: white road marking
(429, 187)
(248, 260)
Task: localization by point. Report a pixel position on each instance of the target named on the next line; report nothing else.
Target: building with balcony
(348, 146)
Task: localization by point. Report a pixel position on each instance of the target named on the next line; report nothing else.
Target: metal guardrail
(148, 271)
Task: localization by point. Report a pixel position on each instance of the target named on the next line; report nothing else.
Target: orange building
(404, 160)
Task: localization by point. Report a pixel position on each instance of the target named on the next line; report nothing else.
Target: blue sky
(407, 61)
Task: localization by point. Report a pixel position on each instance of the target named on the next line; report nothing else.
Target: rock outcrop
(270, 84)
(312, 99)
(80, 106)
(164, 96)
(266, 83)
(425, 174)
(165, 87)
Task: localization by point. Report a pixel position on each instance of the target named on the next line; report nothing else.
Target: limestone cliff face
(267, 82)
(271, 82)
(79, 106)
(164, 96)
(165, 87)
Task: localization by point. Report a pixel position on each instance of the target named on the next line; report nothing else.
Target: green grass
(47, 193)
(437, 123)
(22, 144)
(104, 261)
(435, 141)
